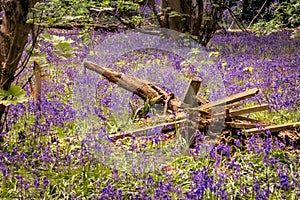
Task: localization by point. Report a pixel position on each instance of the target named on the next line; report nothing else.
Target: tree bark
(13, 38)
(245, 9)
(200, 18)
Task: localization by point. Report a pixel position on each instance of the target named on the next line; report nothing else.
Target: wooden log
(139, 87)
(249, 110)
(239, 125)
(220, 111)
(142, 88)
(234, 105)
(192, 91)
(226, 107)
(256, 121)
(273, 128)
(228, 100)
(201, 100)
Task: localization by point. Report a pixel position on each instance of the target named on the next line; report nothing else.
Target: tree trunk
(245, 10)
(200, 18)
(13, 36)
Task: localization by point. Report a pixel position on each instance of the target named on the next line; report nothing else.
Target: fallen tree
(196, 112)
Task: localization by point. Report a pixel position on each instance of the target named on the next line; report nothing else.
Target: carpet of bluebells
(47, 151)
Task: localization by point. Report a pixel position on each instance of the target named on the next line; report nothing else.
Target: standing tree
(200, 18)
(13, 36)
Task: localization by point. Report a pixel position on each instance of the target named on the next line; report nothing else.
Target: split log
(191, 93)
(273, 128)
(234, 105)
(142, 88)
(222, 108)
(249, 110)
(228, 100)
(255, 121)
(245, 110)
(239, 125)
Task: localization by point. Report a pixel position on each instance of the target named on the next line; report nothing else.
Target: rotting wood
(229, 100)
(273, 128)
(248, 110)
(139, 87)
(255, 121)
(221, 110)
(192, 91)
(201, 100)
(234, 105)
(197, 118)
(143, 89)
(239, 125)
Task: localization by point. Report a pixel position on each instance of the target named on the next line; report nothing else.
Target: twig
(240, 25)
(254, 18)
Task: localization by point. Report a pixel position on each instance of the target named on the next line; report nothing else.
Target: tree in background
(198, 18)
(267, 15)
(283, 14)
(14, 32)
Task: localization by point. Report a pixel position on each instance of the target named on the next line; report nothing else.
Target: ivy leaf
(13, 96)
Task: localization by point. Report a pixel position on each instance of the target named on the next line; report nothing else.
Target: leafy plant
(72, 12)
(12, 96)
(55, 12)
(286, 15)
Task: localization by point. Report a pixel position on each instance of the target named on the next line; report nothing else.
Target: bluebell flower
(36, 183)
(237, 142)
(4, 170)
(284, 181)
(46, 182)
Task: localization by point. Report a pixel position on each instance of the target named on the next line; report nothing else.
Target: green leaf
(64, 46)
(13, 96)
(47, 36)
(3, 94)
(40, 58)
(16, 91)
